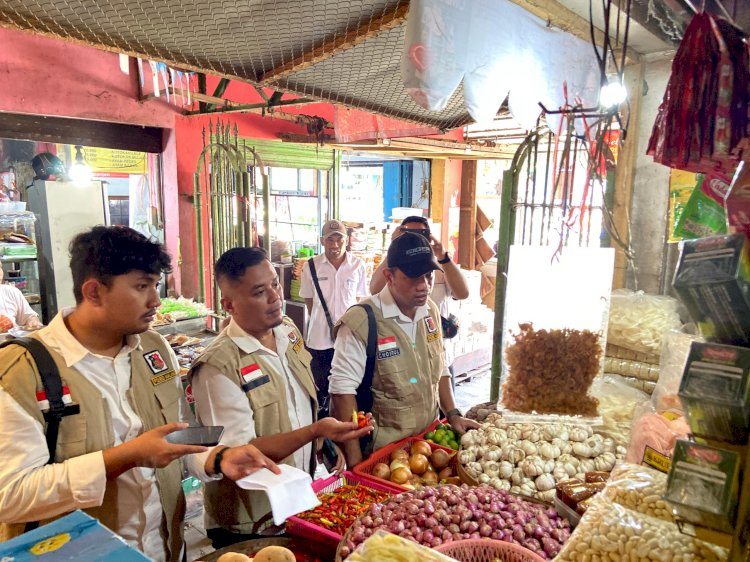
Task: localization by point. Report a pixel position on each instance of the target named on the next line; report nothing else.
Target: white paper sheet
(289, 493)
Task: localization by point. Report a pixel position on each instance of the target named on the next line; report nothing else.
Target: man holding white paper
(255, 380)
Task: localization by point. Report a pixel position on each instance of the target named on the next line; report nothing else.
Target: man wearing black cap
(410, 378)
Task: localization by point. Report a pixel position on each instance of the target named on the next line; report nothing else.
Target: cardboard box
(713, 282)
(703, 485)
(715, 391)
(76, 537)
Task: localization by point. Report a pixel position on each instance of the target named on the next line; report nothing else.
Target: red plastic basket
(306, 529)
(487, 550)
(364, 469)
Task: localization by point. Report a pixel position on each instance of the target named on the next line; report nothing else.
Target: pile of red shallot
(433, 516)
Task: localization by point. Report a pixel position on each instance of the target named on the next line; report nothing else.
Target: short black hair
(108, 251)
(416, 218)
(233, 263)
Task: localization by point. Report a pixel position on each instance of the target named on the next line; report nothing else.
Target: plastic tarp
(498, 49)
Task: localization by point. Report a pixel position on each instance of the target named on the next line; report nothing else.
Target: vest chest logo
(155, 362)
(253, 377)
(387, 347)
(295, 340)
(432, 330)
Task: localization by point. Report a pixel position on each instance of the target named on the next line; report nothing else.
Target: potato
(274, 554)
(234, 557)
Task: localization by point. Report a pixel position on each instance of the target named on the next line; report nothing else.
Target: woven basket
(487, 550)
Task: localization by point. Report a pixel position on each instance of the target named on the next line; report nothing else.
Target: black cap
(412, 254)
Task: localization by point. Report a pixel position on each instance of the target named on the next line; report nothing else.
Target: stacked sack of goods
(637, 324)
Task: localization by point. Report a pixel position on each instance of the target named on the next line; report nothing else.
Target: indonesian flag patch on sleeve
(388, 347)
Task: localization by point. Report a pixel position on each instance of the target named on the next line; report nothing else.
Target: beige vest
(405, 382)
(155, 398)
(231, 507)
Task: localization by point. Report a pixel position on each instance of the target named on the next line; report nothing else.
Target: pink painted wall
(44, 76)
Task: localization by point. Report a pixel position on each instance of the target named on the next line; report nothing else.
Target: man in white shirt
(15, 306)
(410, 377)
(255, 380)
(123, 398)
(341, 278)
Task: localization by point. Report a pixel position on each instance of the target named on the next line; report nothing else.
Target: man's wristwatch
(446, 258)
(217, 462)
(454, 412)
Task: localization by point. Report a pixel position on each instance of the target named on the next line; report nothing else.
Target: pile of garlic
(529, 459)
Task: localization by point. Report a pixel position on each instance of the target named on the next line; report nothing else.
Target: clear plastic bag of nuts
(610, 532)
(639, 488)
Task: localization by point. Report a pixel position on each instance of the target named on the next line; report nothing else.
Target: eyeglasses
(423, 231)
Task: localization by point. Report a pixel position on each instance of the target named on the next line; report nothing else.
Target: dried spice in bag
(551, 371)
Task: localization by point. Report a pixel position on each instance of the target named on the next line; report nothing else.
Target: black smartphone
(207, 435)
(330, 457)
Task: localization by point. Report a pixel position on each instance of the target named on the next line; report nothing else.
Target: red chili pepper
(340, 508)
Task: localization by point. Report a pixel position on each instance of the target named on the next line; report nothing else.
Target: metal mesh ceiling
(355, 45)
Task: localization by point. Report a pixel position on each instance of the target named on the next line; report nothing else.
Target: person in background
(341, 278)
(112, 458)
(410, 378)
(448, 284)
(255, 380)
(14, 306)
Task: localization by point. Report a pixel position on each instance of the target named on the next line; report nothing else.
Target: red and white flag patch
(251, 372)
(388, 347)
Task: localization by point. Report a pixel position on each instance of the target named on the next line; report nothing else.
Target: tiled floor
(467, 395)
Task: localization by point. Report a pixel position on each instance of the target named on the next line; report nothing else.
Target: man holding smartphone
(123, 398)
(255, 380)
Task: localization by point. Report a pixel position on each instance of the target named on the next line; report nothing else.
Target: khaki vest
(405, 382)
(155, 398)
(245, 511)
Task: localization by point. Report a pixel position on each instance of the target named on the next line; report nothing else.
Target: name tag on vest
(253, 377)
(164, 377)
(387, 347)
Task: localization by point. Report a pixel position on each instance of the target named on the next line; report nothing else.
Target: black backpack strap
(314, 274)
(53, 389)
(364, 390)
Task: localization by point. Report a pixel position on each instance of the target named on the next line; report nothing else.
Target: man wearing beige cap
(331, 282)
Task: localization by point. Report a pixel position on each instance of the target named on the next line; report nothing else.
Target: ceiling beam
(337, 43)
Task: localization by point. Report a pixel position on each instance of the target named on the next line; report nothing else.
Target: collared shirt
(15, 306)
(219, 401)
(350, 356)
(340, 287)
(31, 490)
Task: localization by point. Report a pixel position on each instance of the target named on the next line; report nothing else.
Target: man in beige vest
(112, 459)
(410, 378)
(255, 380)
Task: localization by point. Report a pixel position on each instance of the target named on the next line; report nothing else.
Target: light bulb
(80, 172)
(613, 94)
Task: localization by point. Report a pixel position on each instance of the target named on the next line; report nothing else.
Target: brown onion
(399, 463)
(440, 459)
(422, 448)
(400, 475)
(381, 470)
(400, 453)
(430, 478)
(447, 472)
(418, 463)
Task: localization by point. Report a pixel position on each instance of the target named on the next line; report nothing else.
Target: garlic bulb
(578, 434)
(532, 466)
(544, 482)
(492, 453)
(528, 447)
(505, 469)
(491, 468)
(469, 438)
(605, 461)
(547, 496)
(500, 484)
(483, 479)
(466, 456)
(582, 450)
(517, 477)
